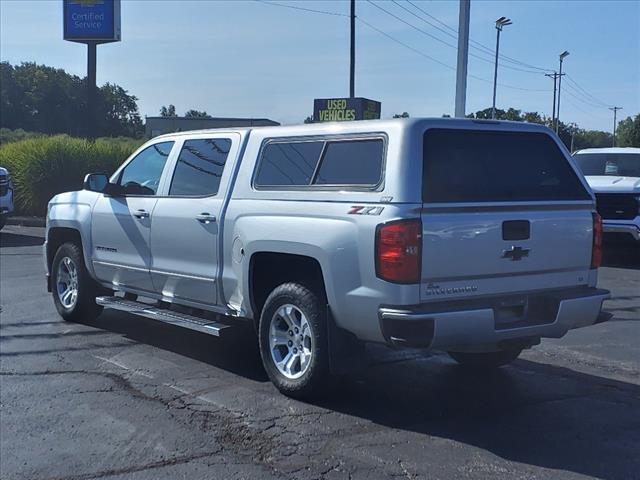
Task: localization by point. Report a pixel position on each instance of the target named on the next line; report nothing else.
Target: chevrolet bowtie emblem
(515, 253)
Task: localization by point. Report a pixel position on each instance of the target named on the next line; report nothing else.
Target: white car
(6, 196)
(614, 176)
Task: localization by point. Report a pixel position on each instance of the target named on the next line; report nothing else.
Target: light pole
(562, 55)
(501, 22)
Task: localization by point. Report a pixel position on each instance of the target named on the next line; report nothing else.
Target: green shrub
(7, 135)
(43, 167)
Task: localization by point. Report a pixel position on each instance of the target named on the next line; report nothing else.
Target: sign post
(91, 22)
(345, 109)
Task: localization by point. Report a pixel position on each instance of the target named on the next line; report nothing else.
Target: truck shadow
(532, 413)
(620, 253)
(237, 352)
(8, 239)
(539, 414)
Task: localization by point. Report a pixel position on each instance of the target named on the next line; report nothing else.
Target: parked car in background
(614, 176)
(476, 238)
(6, 196)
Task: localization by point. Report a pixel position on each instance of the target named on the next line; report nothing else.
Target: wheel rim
(67, 282)
(290, 341)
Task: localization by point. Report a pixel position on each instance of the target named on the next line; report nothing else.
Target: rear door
(503, 211)
(186, 221)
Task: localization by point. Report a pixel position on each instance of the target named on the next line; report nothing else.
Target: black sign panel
(345, 109)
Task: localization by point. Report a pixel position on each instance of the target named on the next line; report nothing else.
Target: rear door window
(490, 166)
(200, 167)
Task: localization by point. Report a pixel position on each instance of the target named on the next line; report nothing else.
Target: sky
(261, 59)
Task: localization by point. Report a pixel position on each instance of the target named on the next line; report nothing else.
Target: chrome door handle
(205, 217)
(141, 214)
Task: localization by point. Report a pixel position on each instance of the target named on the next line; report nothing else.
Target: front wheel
(485, 360)
(293, 341)
(74, 291)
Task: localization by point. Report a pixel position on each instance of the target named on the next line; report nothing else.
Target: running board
(163, 315)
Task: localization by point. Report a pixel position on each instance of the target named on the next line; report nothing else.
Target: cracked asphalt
(126, 397)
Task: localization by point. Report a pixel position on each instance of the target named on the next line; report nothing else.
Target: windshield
(617, 164)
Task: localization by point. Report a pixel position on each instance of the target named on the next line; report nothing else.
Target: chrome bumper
(475, 326)
(630, 228)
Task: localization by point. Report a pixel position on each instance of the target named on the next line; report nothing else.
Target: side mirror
(95, 182)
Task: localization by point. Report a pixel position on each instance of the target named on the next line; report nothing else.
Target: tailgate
(543, 249)
(503, 212)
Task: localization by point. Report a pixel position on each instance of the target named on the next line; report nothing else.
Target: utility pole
(615, 115)
(562, 55)
(463, 58)
(501, 22)
(352, 60)
(553, 75)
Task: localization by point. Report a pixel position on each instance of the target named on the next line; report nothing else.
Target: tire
(293, 325)
(83, 307)
(3, 222)
(485, 360)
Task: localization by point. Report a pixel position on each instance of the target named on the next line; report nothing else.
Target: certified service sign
(92, 20)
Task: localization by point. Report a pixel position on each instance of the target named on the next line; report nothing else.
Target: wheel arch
(268, 269)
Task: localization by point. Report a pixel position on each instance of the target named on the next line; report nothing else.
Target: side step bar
(163, 315)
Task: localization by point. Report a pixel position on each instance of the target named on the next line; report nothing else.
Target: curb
(27, 221)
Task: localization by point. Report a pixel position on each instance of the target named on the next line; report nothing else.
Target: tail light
(399, 251)
(596, 251)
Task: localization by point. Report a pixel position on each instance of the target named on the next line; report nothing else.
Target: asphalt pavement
(126, 397)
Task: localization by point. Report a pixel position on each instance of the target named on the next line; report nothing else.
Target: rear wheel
(74, 291)
(293, 340)
(485, 360)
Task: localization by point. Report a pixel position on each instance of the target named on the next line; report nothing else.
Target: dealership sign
(92, 20)
(345, 109)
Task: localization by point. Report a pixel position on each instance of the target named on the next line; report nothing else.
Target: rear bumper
(631, 227)
(478, 323)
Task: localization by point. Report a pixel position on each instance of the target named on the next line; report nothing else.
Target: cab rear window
(490, 166)
(322, 163)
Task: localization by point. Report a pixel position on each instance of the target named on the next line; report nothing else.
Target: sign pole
(91, 89)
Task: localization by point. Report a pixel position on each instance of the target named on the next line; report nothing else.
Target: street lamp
(562, 55)
(501, 22)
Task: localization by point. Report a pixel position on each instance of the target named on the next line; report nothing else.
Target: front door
(121, 222)
(186, 221)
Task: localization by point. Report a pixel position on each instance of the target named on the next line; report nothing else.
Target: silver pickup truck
(472, 237)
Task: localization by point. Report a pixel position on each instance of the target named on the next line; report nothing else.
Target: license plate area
(525, 311)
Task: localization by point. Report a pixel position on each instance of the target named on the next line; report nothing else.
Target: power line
(587, 94)
(455, 47)
(394, 39)
(295, 7)
(477, 45)
(581, 98)
(450, 67)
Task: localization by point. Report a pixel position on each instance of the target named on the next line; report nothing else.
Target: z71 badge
(362, 210)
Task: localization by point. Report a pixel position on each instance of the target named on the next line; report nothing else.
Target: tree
(169, 111)
(401, 115)
(43, 99)
(196, 114)
(628, 132)
(121, 116)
